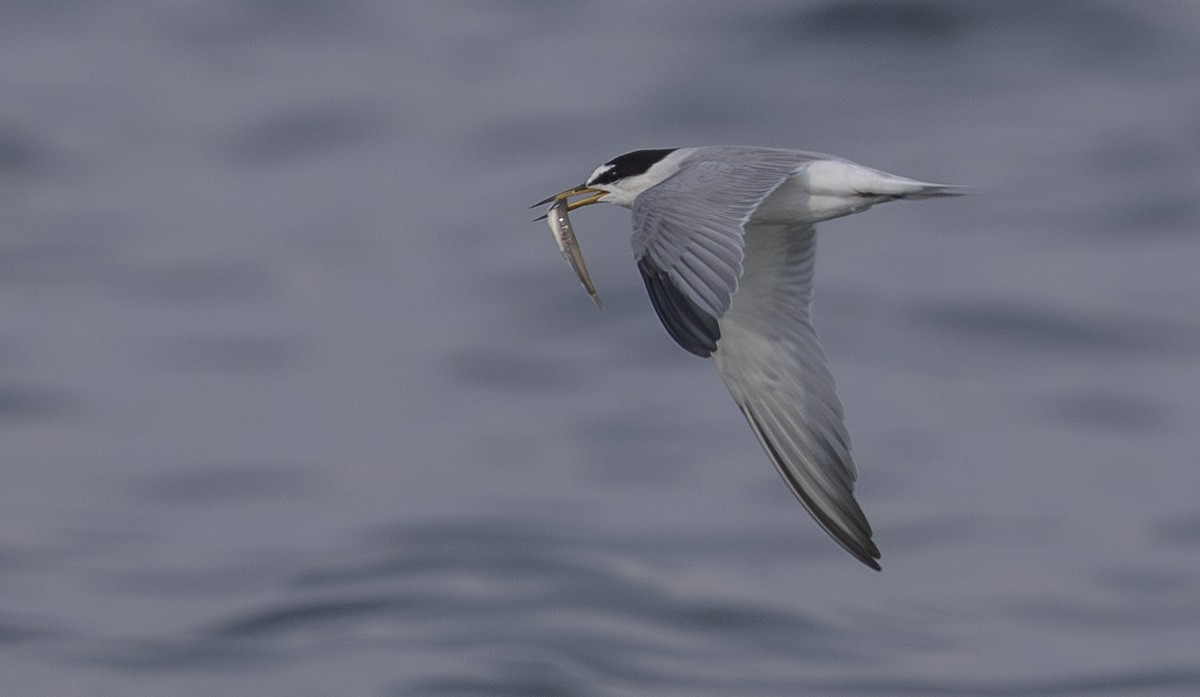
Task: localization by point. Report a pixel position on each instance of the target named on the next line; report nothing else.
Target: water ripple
(249, 353)
(1044, 329)
(1175, 678)
(510, 606)
(503, 591)
(300, 133)
(21, 402)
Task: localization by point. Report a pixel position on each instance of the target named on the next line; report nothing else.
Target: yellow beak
(596, 195)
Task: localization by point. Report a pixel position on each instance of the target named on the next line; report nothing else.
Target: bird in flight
(724, 239)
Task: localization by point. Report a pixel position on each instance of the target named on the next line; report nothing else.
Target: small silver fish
(564, 235)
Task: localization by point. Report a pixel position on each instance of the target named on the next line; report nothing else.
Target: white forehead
(600, 170)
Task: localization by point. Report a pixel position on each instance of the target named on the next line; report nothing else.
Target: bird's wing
(687, 241)
(770, 360)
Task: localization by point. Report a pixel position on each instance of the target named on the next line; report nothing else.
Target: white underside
(828, 189)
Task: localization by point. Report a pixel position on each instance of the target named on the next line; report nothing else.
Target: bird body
(725, 242)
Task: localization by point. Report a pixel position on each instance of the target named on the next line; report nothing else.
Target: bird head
(621, 179)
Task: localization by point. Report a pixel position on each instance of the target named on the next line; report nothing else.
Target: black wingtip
(861, 547)
(691, 327)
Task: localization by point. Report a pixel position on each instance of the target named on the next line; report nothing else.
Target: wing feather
(740, 292)
(689, 229)
(769, 358)
(690, 327)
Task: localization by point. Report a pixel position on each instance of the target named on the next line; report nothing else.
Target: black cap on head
(630, 164)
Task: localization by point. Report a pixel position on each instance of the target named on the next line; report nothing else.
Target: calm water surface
(295, 400)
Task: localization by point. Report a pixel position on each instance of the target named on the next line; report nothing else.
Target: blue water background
(296, 400)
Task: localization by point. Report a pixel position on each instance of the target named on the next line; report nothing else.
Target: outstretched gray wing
(687, 238)
(740, 292)
(770, 360)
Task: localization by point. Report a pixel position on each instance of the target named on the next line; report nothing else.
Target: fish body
(564, 235)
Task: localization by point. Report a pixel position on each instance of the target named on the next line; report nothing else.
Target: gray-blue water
(296, 400)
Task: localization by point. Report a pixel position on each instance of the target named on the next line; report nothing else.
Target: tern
(724, 239)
